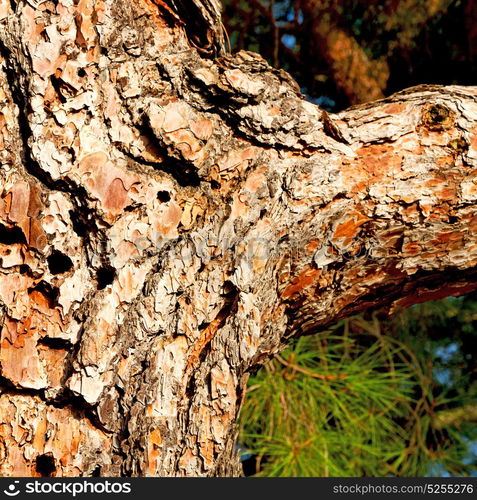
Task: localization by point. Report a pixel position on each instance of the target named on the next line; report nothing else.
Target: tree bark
(171, 215)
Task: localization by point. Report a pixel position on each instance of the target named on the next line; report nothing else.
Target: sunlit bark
(170, 216)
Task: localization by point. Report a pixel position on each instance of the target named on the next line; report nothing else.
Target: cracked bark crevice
(171, 166)
(220, 103)
(20, 100)
(67, 399)
(202, 24)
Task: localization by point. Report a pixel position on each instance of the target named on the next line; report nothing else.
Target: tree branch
(206, 213)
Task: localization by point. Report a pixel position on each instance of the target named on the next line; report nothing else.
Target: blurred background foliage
(375, 395)
(343, 52)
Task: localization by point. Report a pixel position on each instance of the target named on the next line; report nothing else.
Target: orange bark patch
(395, 108)
(447, 194)
(306, 279)
(29, 428)
(22, 206)
(256, 180)
(167, 222)
(19, 357)
(237, 159)
(239, 206)
(412, 248)
(155, 437)
(20, 201)
(202, 128)
(450, 289)
(378, 160)
(116, 196)
(311, 246)
(37, 237)
(19, 353)
(348, 229)
(410, 212)
(107, 182)
(86, 32)
(187, 458)
(33, 30)
(445, 160)
(209, 332)
(449, 240)
(153, 450)
(53, 361)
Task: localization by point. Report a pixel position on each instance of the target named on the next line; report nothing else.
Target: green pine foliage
(363, 398)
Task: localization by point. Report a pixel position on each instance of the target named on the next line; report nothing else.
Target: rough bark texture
(171, 215)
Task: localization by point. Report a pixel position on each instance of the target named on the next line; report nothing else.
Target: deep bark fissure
(19, 97)
(84, 216)
(65, 400)
(221, 103)
(171, 166)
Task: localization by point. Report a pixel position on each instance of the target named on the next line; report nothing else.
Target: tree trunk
(171, 215)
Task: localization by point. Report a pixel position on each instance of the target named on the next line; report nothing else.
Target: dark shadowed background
(344, 52)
